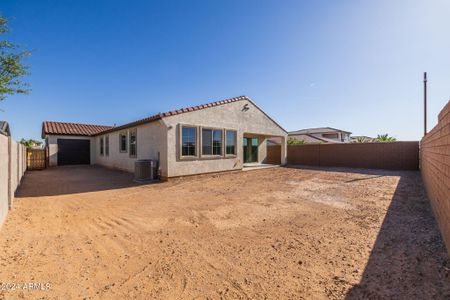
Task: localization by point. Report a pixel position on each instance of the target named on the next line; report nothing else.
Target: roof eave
(129, 125)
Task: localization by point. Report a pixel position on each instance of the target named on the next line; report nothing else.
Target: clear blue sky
(355, 65)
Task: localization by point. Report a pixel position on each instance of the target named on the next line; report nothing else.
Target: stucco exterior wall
(12, 168)
(52, 143)
(151, 140)
(4, 170)
(161, 140)
(242, 116)
(13, 181)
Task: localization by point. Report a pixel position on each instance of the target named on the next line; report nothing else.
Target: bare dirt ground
(281, 233)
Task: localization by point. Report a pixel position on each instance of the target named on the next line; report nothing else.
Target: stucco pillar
(283, 151)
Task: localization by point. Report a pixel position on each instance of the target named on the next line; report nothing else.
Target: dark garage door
(74, 152)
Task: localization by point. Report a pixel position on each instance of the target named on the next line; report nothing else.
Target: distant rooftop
(4, 128)
(318, 130)
(354, 137)
(66, 128)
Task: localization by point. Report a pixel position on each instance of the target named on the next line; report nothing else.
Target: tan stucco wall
(162, 137)
(3, 177)
(151, 139)
(12, 168)
(228, 116)
(52, 143)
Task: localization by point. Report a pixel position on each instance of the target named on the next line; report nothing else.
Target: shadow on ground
(408, 259)
(71, 180)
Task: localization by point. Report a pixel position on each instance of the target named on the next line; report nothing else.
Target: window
(101, 146)
(133, 143)
(123, 142)
(107, 145)
(206, 141)
(230, 142)
(217, 142)
(188, 141)
(330, 135)
(211, 142)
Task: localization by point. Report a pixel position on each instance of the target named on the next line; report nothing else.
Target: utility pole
(424, 103)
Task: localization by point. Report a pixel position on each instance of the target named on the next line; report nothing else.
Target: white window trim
(123, 133)
(136, 142)
(180, 142)
(106, 143)
(102, 146)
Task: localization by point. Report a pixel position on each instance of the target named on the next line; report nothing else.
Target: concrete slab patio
(284, 233)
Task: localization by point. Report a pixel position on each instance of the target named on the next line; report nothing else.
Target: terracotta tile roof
(198, 107)
(65, 128)
(92, 130)
(176, 112)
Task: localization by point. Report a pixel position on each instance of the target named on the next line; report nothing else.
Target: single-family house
(321, 135)
(218, 136)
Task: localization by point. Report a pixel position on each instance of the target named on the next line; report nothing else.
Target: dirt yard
(281, 233)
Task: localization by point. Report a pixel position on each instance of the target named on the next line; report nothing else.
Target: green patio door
(250, 150)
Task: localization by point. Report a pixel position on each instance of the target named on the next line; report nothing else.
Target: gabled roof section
(318, 130)
(160, 116)
(65, 128)
(308, 138)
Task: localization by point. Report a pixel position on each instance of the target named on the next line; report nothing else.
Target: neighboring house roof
(64, 128)
(318, 130)
(4, 128)
(274, 141)
(92, 130)
(355, 137)
(308, 138)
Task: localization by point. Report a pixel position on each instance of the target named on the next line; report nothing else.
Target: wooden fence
(36, 159)
(273, 155)
(390, 156)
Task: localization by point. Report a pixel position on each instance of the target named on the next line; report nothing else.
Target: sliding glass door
(250, 150)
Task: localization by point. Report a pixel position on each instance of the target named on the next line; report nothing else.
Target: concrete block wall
(390, 156)
(12, 168)
(435, 168)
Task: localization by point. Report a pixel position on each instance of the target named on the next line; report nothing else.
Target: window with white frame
(230, 142)
(107, 145)
(123, 142)
(102, 152)
(133, 142)
(188, 141)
